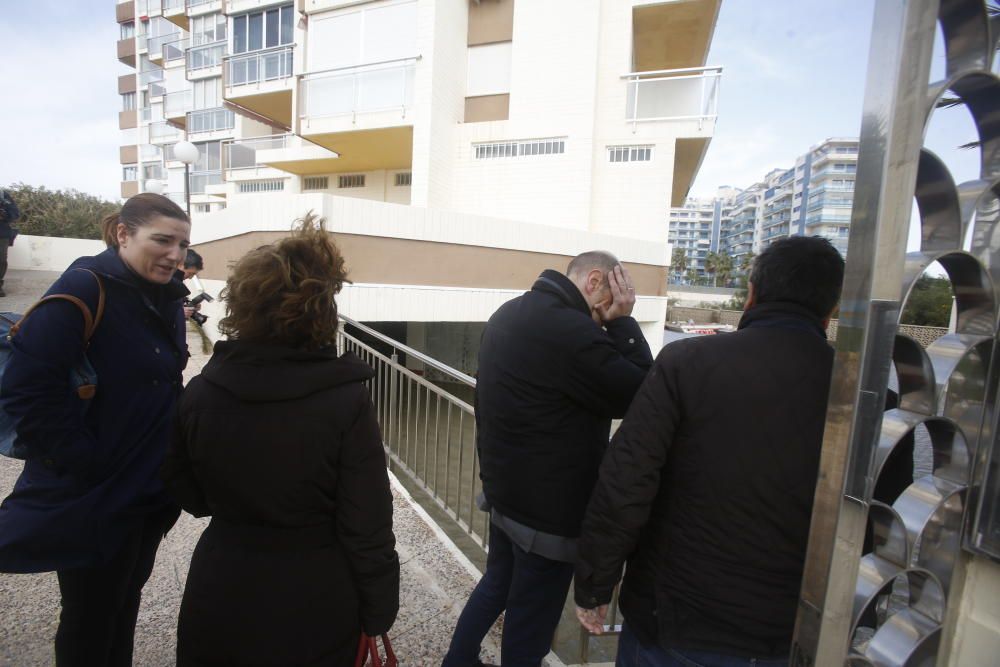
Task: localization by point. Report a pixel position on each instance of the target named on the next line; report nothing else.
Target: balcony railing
(177, 103)
(200, 180)
(146, 114)
(258, 66)
(205, 56)
(195, 3)
(163, 133)
(150, 153)
(148, 7)
(175, 50)
(172, 5)
(152, 75)
(678, 94)
(156, 89)
(242, 153)
(361, 89)
(155, 44)
(210, 120)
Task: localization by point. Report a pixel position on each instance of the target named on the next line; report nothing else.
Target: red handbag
(368, 648)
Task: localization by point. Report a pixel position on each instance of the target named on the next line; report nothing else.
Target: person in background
(9, 214)
(89, 502)
(277, 441)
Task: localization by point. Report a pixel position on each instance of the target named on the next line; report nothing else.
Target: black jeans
(531, 588)
(100, 604)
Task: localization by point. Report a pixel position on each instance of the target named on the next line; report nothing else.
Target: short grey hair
(593, 259)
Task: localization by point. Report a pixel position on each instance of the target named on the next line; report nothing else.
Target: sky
(794, 73)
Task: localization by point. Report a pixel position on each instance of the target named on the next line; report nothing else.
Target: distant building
(812, 198)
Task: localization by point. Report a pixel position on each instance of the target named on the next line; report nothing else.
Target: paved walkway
(436, 579)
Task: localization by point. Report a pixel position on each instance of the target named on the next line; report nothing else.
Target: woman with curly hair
(277, 441)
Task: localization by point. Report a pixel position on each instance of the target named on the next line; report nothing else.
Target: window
(264, 29)
(127, 30)
(202, 208)
(270, 185)
(209, 156)
(369, 35)
(207, 93)
(631, 154)
(351, 181)
(519, 148)
(403, 179)
(315, 182)
(207, 29)
(128, 101)
(130, 173)
(488, 70)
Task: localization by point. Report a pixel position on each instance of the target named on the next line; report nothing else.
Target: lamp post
(187, 153)
(156, 187)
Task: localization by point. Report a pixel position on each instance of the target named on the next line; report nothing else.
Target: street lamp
(156, 187)
(187, 153)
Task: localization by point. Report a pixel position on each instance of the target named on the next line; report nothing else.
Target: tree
(66, 213)
(746, 262)
(929, 303)
(679, 262)
(719, 265)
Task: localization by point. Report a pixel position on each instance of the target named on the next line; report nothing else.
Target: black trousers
(100, 604)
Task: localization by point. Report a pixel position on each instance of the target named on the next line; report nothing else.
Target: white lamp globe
(156, 187)
(186, 152)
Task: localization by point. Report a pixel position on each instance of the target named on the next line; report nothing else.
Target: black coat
(707, 488)
(92, 471)
(550, 381)
(282, 449)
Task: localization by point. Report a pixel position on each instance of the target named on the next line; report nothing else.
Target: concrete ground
(436, 578)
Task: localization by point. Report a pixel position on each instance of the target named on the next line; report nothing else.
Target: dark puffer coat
(281, 448)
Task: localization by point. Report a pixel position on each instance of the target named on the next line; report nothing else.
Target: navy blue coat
(91, 475)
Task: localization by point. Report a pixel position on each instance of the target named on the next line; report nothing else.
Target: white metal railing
(172, 5)
(210, 120)
(364, 88)
(242, 153)
(267, 65)
(176, 104)
(677, 94)
(205, 55)
(195, 3)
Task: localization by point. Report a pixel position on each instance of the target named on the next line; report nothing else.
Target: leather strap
(90, 321)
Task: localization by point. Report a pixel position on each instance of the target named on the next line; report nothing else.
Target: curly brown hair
(283, 293)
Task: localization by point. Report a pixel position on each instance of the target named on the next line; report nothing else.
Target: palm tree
(679, 262)
(718, 264)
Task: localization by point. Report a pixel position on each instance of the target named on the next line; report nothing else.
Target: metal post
(187, 189)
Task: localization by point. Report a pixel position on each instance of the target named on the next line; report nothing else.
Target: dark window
(240, 34)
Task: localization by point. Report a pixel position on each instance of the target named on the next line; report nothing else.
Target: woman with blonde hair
(89, 503)
(277, 441)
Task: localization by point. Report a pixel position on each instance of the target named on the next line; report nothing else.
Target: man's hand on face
(622, 296)
(592, 619)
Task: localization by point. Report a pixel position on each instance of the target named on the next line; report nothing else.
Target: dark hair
(137, 212)
(593, 259)
(805, 270)
(192, 260)
(283, 293)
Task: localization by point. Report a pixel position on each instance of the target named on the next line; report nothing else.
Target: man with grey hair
(556, 365)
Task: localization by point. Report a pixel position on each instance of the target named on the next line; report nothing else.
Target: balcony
(362, 113)
(210, 120)
(175, 11)
(833, 155)
(205, 60)
(670, 95)
(152, 75)
(126, 51)
(128, 154)
(261, 81)
(255, 157)
(201, 181)
(176, 106)
(125, 11)
(150, 153)
(166, 48)
(162, 132)
(126, 83)
(148, 7)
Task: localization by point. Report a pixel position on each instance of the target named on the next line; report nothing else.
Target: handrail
(349, 68)
(671, 71)
(420, 356)
(258, 52)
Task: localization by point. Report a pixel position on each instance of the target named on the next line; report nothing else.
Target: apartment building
(576, 122)
(697, 229)
(813, 197)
